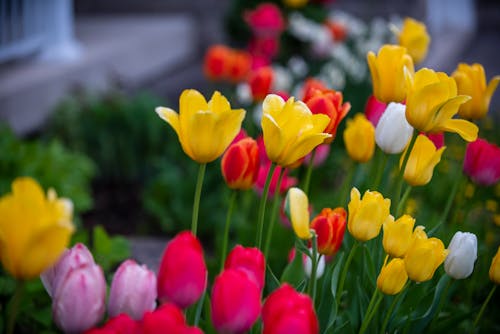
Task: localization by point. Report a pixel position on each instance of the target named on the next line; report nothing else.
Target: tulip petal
(218, 103)
(229, 124)
(273, 138)
(202, 128)
(448, 110)
(465, 129)
(299, 212)
(272, 104)
(173, 119)
(492, 86)
(303, 147)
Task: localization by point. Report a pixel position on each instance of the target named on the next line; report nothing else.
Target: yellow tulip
(359, 138)
(387, 71)
(392, 277)
(367, 214)
(204, 129)
(295, 3)
(423, 158)
(432, 102)
(290, 129)
(398, 235)
(297, 205)
(424, 256)
(414, 37)
(471, 81)
(495, 268)
(34, 228)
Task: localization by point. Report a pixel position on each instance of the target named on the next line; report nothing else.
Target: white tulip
(462, 254)
(393, 130)
(320, 266)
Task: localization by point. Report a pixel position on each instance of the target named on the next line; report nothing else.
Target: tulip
(260, 81)
(459, 263)
(249, 260)
(320, 265)
(387, 71)
(329, 226)
(216, 60)
(423, 256)
(367, 214)
(393, 130)
(471, 80)
(266, 47)
(290, 130)
(321, 154)
(297, 206)
(133, 290)
(398, 235)
(34, 228)
(433, 101)
(78, 301)
(286, 181)
(182, 276)
(392, 277)
(265, 20)
(414, 37)
(311, 85)
(295, 3)
(240, 164)
(168, 318)
(204, 129)
(495, 268)
(436, 138)
(374, 110)
(239, 65)
(235, 302)
(482, 162)
(423, 158)
(359, 138)
(338, 30)
(121, 324)
(329, 103)
(287, 311)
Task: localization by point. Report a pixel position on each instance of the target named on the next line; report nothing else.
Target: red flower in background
(482, 162)
(168, 318)
(287, 311)
(436, 138)
(330, 227)
(239, 66)
(224, 63)
(266, 20)
(182, 276)
(337, 30)
(374, 110)
(240, 164)
(260, 82)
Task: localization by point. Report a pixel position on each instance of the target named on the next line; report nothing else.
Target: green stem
(197, 196)
(225, 241)
(346, 186)
(307, 180)
(395, 301)
(262, 206)
(14, 306)
(380, 171)
(377, 299)
(199, 308)
(480, 314)
(449, 203)
(274, 213)
(442, 300)
(406, 156)
(343, 275)
(311, 288)
(403, 200)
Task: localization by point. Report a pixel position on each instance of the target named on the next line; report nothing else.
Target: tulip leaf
(333, 289)
(109, 251)
(272, 282)
(294, 271)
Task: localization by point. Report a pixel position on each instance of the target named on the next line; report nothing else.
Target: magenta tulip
(250, 260)
(482, 162)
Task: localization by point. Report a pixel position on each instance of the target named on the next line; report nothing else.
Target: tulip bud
(359, 138)
(250, 260)
(482, 162)
(424, 256)
(216, 61)
(392, 277)
(367, 214)
(121, 324)
(393, 130)
(235, 302)
(297, 205)
(240, 164)
(182, 276)
(459, 263)
(495, 268)
(320, 265)
(260, 82)
(133, 290)
(330, 227)
(414, 37)
(168, 318)
(398, 235)
(287, 311)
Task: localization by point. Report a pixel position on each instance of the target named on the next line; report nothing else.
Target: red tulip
(250, 260)
(239, 65)
(436, 138)
(337, 30)
(235, 302)
(240, 164)
(168, 318)
(330, 227)
(482, 162)
(182, 276)
(216, 61)
(266, 47)
(121, 324)
(328, 102)
(260, 82)
(287, 311)
(374, 110)
(311, 85)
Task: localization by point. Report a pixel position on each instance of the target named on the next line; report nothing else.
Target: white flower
(393, 130)
(320, 266)
(459, 263)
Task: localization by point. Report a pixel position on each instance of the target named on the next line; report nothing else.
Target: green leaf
(333, 289)
(109, 251)
(294, 271)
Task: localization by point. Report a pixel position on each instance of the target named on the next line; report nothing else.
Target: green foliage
(51, 164)
(108, 251)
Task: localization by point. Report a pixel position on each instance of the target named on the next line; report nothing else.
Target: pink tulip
(182, 276)
(436, 138)
(250, 260)
(374, 110)
(168, 318)
(482, 162)
(266, 20)
(133, 290)
(320, 156)
(235, 302)
(287, 311)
